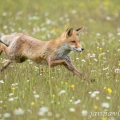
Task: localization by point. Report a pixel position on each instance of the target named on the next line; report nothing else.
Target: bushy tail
(1, 47)
(3, 43)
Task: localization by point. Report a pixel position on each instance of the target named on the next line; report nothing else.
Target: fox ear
(79, 30)
(69, 32)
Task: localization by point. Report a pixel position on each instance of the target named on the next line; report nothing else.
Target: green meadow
(31, 91)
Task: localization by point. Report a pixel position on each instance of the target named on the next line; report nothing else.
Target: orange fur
(20, 47)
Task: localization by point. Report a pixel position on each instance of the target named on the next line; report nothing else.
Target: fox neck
(62, 52)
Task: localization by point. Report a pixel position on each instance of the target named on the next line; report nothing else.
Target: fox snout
(82, 49)
(78, 49)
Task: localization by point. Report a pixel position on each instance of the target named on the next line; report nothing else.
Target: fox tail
(3, 43)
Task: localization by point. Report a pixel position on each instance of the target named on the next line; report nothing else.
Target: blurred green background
(27, 92)
(33, 16)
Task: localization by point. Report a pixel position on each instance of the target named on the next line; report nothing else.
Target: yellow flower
(13, 88)
(109, 90)
(95, 107)
(100, 48)
(119, 64)
(53, 95)
(104, 118)
(4, 106)
(32, 103)
(62, 82)
(72, 86)
(105, 88)
(66, 83)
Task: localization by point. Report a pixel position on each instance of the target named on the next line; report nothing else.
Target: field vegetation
(29, 92)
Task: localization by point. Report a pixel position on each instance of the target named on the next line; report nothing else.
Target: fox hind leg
(1, 49)
(6, 65)
(4, 48)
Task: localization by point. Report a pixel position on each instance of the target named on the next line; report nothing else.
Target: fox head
(72, 40)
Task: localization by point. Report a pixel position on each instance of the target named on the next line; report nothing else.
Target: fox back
(19, 47)
(22, 46)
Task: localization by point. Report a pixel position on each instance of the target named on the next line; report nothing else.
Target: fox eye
(73, 41)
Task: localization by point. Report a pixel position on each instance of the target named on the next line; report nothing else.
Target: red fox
(19, 47)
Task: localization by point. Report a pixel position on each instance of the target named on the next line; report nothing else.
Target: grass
(28, 92)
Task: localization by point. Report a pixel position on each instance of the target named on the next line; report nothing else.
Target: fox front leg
(67, 64)
(74, 70)
(60, 62)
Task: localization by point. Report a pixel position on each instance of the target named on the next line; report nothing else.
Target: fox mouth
(78, 49)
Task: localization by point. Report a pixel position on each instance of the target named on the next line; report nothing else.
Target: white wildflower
(10, 99)
(97, 98)
(108, 18)
(34, 92)
(40, 113)
(95, 59)
(6, 115)
(83, 60)
(74, 11)
(48, 21)
(46, 13)
(19, 111)
(61, 18)
(84, 112)
(57, 115)
(118, 50)
(118, 33)
(78, 101)
(28, 80)
(43, 110)
(49, 113)
(92, 55)
(43, 119)
(117, 70)
(14, 84)
(29, 110)
(15, 98)
(94, 93)
(105, 105)
(106, 68)
(11, 94)
(62, 92)
(72, 109)
(1, 81)
(4, 14)
(5, 27)
(36, 96)
(108, 97)
(98, 34)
